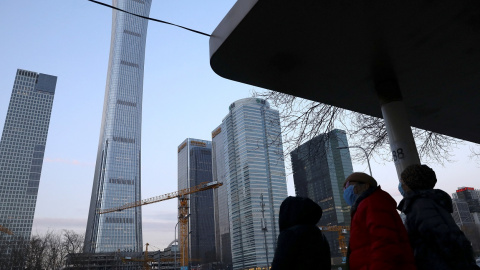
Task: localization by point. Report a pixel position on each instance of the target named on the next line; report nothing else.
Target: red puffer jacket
(378, 238)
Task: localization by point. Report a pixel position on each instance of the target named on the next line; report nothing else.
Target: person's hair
(419, 177)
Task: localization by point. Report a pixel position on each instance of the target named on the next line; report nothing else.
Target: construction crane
(145, 261)
(182, 211)
(5, 230)
(342, 231)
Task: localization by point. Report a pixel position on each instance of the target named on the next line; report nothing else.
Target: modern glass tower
(21, 150)
(220, 195)
(117, 178)
(194, 168)
(319, 170)
(253, 167)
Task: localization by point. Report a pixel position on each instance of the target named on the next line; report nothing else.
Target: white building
(248, 156)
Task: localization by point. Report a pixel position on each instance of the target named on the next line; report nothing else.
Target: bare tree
(302, 120)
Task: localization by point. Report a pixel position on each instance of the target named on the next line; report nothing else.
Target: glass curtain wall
(117, 178)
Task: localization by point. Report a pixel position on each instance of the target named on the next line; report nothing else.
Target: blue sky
(183, 98)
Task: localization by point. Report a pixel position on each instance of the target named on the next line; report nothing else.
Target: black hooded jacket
(437, 241)
(301, 244)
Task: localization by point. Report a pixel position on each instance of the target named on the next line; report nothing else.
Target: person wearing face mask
(437, 241)
(378, 239)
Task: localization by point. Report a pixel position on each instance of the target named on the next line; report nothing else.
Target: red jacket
(378, 238)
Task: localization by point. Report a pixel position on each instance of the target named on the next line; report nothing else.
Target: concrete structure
(194, 168)
(22, 149)
(319, 170)
(249, 157)
(383, 59)
(117, 178)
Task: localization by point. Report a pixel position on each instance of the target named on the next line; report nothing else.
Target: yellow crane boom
(182, 209)
(164, 197)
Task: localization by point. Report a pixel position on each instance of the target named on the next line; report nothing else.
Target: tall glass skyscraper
(220, 194)
(21, 150)
(319, 170)
(249, 156)
(195, 167)
(117, 178)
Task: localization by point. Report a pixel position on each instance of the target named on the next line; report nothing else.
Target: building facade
(319, 170)
(250, 160)
(22, 148)
(194, 168)
(117, 178)
(466, 213)
(222, 217)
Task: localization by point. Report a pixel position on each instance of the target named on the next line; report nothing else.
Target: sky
(182, 98)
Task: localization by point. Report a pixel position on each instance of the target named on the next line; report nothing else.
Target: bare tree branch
(302, 120)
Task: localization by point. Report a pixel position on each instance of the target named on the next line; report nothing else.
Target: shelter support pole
(402, 144)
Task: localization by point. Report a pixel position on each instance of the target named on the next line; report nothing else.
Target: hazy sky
(183, 98)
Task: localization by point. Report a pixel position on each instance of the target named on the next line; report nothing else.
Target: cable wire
(148, 18)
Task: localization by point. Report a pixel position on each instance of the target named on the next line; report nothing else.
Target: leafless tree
(302, 120)
(48, 251)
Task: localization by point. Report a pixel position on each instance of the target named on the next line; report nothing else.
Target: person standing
(301, 244)
(437, 241)
(378, 239)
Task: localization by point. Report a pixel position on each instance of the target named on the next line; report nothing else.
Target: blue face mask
(401, 189)
(349, 196)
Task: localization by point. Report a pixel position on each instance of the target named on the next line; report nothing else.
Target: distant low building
(112, 260)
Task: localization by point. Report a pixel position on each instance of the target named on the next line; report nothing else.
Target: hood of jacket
(298, 211)
(440, 197)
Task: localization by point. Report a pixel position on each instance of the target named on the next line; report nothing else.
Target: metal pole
(264, 228)
(364, 151)
(402, 143)
(174, 252)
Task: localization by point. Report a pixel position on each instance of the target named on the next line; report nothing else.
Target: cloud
(69, 162)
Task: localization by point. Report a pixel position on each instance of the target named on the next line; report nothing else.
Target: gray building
(117, 178)
(194, 168)
(22, 148)
(319, 170)
(222, 217)
(249, 160)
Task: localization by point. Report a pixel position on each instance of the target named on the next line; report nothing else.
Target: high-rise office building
(319, 170)
(466, 213)
(220, 194)
(117, 178)
(194, 168)
(249, 157)
(21, 149)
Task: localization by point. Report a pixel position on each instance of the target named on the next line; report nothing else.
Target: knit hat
(419, 177)
(361, 178)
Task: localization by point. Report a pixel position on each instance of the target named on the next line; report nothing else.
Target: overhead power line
(148, 18)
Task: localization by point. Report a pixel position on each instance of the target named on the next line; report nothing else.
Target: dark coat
(301, 245)
(437, 241)
(378, 239)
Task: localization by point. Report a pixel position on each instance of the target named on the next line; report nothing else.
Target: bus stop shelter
(411, 62)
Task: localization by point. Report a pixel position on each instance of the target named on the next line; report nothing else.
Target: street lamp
(364, 151)
(175, 252)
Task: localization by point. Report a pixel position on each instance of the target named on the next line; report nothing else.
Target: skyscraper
(252, 165)
(222, 217)
(117, 178)
(195, 167)
(319, 170)
(21, 149)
